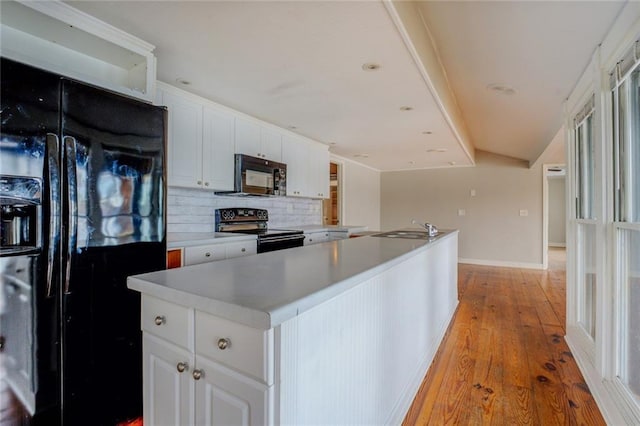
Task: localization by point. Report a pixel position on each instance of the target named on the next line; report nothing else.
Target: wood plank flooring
(504, 360)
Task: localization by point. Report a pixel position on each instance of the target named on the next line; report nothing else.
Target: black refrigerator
(82, 204)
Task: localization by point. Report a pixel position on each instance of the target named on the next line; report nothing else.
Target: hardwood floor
(504, 360)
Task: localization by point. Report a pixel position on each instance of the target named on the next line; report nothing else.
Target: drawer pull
(159, 320)
(197, 374)
(223, 343)
(207, 254)
(182, 367)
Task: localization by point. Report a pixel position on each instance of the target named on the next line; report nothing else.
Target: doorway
(555, 216)
(331, 206)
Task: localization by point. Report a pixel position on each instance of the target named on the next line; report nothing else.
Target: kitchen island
(334, 333)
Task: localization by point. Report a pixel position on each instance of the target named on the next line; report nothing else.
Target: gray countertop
(265, 290)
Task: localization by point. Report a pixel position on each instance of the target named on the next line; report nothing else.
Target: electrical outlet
(524, 212)
(462, 212)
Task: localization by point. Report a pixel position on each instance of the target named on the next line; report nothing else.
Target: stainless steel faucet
(432, 231)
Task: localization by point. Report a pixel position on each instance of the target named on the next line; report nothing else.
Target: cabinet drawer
(248, 350)
(168, 321)
(241, 248)
(203, 254)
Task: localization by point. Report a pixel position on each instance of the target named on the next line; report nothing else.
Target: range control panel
(241, 215)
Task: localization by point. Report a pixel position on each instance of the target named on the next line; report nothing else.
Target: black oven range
(254, 221)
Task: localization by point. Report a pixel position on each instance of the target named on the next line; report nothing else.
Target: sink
(410, 235)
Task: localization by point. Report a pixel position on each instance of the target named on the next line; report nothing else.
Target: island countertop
(265, 290)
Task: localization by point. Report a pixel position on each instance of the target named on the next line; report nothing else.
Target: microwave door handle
(53, 183)
(70, 159)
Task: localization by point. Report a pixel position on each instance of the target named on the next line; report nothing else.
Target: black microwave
(258, 176)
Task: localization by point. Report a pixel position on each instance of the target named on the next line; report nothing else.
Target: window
(584, 167)
(625, 96)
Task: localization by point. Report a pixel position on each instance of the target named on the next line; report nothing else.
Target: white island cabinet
(334, 333)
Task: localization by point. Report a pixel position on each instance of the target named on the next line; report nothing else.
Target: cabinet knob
(199, 182)
(159, 320)
(243, 249)
(223, 343)
(182, 367)
(197, 374)
(206, 184)
(207, 254)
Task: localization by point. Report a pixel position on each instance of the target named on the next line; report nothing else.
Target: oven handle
(278, 239)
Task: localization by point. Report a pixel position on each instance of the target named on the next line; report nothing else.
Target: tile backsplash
(192, 210)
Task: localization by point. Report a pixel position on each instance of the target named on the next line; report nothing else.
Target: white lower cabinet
(212, 252)
(168, 392)
(188, 377)
(226, 397)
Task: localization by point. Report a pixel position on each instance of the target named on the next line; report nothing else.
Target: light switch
(472, 192)
(461, 212)
(524, 212)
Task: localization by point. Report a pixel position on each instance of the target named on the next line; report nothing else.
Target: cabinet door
(225, 397)
(271, 144)
(294, 155)
(168, 393)
(240, 248)
(184, 156)
(217, 150)
(247, 138)
(319, 171)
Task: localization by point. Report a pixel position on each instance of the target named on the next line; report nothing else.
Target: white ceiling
(300, 64)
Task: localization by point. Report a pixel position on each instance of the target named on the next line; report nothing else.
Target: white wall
(492, 230)
(557, 217)
(361, 194)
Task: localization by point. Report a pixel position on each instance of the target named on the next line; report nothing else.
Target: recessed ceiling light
(406, 108)
(361, 155)
(183, 81)
(437, 150)
(501, 89)
(370, 66)
(412, 162)
(427, 132)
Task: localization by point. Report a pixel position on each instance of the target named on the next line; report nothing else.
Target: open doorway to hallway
(331, 208)
(556, 219)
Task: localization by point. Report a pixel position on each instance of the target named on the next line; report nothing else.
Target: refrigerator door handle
(72, 199)
(54, 204)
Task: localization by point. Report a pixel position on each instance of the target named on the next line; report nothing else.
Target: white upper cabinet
(200, 142)
(217, 150)
(184, 148)
(271, 144)
(203, 138)
(319, 171)
(257, 141)
(294, 155)
(62, 39)
(307, 167)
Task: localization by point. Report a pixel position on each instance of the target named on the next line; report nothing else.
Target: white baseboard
(562, 245)
(504, 264)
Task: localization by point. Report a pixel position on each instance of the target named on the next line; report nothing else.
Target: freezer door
(114, 200)
(29, 303)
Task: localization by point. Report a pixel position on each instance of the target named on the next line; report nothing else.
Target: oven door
(267, 244)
